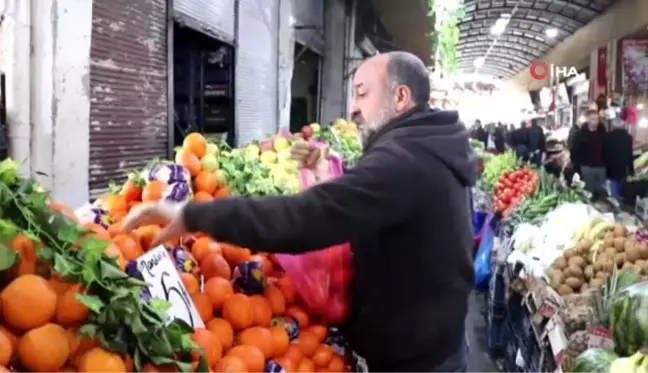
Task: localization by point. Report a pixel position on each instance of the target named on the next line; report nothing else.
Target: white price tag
(160, 273)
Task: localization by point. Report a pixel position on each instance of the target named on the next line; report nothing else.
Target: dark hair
(406, 69)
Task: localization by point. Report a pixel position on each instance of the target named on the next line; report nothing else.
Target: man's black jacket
(404, 208)
(617, 154)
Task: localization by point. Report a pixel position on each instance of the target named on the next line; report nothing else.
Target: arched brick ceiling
(524, 39)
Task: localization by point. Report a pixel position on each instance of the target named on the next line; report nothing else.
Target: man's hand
(156, 213)
(308, 155)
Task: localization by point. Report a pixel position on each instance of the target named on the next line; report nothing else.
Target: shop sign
(540, 71)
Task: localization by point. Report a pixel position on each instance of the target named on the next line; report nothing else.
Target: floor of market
(478, 359)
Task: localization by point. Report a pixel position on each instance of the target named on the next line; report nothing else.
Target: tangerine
(204, 306)
(58, 284)
(209, 343)
(195, 144)
(26, 250)
(230, 364)
(131, 190)
(205, 182)
(98, 359)
(79, 345)
(190, 282)
(214, 265)
(146, 235)
(28, 302)
(153, 191)
(319, 330)
(259, 337)
(299, 315)
(6, 349)
(204, 246)
(252, 356)
(114, 204)
(288, 365)
(13, 338)
(222, 192)
(262, 310)
(191, 162)
(130, 246)
(44, 349)
(203, 197)
(112, 251)
(336, 364)
(307, 343)
(235, 255)
(323, 355)
(276, 299)
(69, 311)
(218, 289)
(287, 289)
(306, 365)
(238, 310)
(63, 209)
(223, 330)
(280, 340)
(294, 353)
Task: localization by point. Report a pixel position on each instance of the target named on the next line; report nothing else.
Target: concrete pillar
(286, 61)
(333, 100)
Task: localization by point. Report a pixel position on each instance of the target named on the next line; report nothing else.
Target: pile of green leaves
(349, 148)
(119, 318)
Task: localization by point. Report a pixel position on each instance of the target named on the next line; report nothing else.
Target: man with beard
(404, 208)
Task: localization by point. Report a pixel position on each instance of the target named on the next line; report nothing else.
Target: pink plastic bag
(322, 278)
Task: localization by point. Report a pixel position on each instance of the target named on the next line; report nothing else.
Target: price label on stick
(160, 273)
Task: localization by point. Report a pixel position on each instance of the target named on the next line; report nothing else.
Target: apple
(209, 162)
(307, 132)
(212, 149)
(265, 145)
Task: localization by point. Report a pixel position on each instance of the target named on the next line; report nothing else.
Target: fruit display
(595, 360)
(628, 319)
(342, 136)
(495, 167)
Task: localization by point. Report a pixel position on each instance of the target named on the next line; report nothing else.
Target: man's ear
(403, 98)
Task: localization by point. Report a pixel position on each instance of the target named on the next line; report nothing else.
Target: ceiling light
(640, 106)
(551, 33)
(643, 123)
(479, 62)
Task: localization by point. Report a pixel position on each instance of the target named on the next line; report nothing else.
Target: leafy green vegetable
(119, 318)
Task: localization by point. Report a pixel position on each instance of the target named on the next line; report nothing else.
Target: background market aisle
(478, 359)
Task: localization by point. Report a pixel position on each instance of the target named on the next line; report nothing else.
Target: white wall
(45, 52)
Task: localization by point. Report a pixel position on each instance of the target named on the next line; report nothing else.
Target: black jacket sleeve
(376, 193)
(574, 152)
(630, 155)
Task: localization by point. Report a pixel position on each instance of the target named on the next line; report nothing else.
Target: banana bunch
(637, 363)
(593, 230)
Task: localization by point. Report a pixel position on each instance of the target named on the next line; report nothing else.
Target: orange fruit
(262, 310)
(288, 365)
(230, 364)
(319, 330)
(195, 144)
(79, 346)
(276, 299)
(323, 355)
(57, 283)
(215, 265)
(153, 191)
(13, 338)
(69, 311)
(63, 209)
(280, 340)
(114, 204)
(28, 302)
(218, 290)
(294, 353)
(252, 356)
(190, 162)
(287, 289)
(223, 330)
(44, 349)
(204, 246)
(128, 245)
(306, 365)
(259, 337)
(222, 192)
(238, 310)
(131, 190)
(99, 360)
(204, 306)
(6, 349)
(299, 315)
(190, 282)
(146, 234)
(114, 229)
(112, 251)
(336, 364)
(67, 369)
(205, 182)
(203, 197)
(26, 250)
(209, 343)
(307, 343)
(99, 231)
(129, 363)
(235, 255)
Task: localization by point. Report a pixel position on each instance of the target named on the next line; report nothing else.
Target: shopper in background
(587, 154)
(519, 142)
(495, 141)
(618, 157)
(404, 208)
(573, 130)
(478, 132)
(535, 142)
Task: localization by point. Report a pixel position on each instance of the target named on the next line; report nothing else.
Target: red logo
(539, 70)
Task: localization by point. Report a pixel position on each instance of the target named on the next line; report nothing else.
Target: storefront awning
(409, 25)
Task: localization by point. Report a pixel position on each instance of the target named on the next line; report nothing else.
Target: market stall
(564, 278)
(78, 294)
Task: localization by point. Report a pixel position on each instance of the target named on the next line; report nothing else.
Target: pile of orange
(40, 316)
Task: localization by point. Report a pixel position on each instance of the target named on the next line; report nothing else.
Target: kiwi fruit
(608, 239)
(610, 251)
(589, 272)
(619, 230)
(578, 261)
(596, 283)
(619, 243)
(573, 282)
(619, 259)
(632, 254)
(643, 250)
(565, 289)
(569, 253)
(560, 263)
(627, 265)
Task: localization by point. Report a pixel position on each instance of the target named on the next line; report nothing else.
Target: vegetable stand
(80, 295)
(566, 279)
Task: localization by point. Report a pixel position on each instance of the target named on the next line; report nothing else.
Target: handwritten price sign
(159, 272)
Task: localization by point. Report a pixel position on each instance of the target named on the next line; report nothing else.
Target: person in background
(519, 142)
(403, 207)
(478, 132)
(495, 140)
(618, 157)
(572, 132)
(587, 154)
(535, 142)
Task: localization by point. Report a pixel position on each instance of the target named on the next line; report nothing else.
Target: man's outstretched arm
(379, 191)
